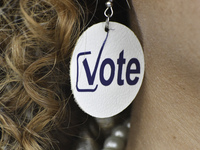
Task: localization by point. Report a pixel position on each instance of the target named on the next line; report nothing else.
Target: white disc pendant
(106, 69)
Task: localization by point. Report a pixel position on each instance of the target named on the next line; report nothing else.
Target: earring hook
(109, 5)
(129, 6)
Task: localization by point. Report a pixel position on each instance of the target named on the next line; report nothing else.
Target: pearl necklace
(118, 138)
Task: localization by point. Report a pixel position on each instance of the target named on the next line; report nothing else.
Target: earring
(107, 67)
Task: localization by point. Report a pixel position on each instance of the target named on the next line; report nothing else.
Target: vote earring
(107, 67)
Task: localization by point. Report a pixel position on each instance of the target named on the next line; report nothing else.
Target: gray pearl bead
(87, 145)
(111, 149)
(127, 124)
(114, 143)
(105, 122)
(120, 131)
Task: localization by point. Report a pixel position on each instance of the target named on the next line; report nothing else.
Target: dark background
(120, 8)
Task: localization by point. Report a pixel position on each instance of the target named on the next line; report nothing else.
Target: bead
(105, 122)
(109, 4)
(111, 149)
(127, 124)
(87, 144)
(114, 143)
(119, 134)
(120, 131)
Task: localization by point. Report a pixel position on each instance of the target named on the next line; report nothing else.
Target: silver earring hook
(109, 7)
(109, 14)
(129, 6)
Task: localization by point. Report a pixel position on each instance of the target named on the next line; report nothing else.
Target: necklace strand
(118, 138)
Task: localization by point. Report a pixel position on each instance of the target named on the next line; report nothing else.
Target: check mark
(90, 75)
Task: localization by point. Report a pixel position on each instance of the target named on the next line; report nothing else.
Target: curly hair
(36, 40)
(37, 111)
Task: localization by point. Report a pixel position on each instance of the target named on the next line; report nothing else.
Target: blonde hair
(36, 41)
(37, 111)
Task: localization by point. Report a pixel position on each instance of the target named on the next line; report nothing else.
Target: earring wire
(129, 6)
(108, 15)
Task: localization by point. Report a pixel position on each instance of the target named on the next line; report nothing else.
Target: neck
(164, 115)
(166, 112)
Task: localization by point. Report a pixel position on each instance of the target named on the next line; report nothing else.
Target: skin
(166, 112)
